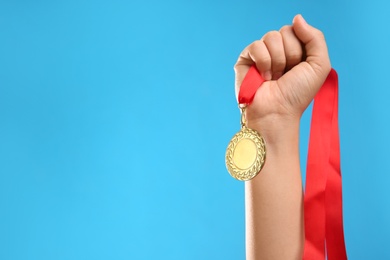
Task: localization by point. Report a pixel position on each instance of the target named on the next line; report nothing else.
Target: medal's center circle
(245, 154)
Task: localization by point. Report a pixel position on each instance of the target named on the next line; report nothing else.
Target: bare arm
(295, 63)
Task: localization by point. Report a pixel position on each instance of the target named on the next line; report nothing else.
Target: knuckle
(319, 34)
(286, 28)
(272, 35)
(254, 46)
(259, 53)
(236, 65)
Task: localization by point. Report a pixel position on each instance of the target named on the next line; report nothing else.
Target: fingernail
(303, 19)
(267, 75)
(299, 16)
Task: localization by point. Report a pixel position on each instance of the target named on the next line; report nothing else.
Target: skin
(294, 62)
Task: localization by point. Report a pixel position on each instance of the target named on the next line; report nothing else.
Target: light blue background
(115, 116)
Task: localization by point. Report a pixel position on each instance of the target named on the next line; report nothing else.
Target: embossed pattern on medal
(255, 168)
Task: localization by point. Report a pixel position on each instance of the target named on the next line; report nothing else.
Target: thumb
(314, 45)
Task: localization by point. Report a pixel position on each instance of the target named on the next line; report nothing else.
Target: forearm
(294, 63)
(274, 199)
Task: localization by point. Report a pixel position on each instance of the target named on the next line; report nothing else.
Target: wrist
(280, 133)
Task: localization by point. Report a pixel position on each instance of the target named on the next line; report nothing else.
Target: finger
(241, 68)
(274, 42)
(292, 47)
(255, 53)
(314, 44)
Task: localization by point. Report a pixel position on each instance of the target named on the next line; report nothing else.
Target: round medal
(245, 154)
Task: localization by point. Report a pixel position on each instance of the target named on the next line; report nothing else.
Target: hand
(294, 62)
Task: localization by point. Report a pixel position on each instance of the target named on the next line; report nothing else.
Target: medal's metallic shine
(245, 154)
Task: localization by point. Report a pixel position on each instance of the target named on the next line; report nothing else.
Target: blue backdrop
(115, 116)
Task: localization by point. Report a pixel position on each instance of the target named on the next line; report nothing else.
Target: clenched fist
(294, 62)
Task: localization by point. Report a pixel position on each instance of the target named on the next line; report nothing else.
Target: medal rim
(252, 171)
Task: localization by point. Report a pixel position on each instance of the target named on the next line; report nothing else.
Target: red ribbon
(324, 235)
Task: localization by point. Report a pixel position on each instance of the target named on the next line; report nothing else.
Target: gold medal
(245, 154)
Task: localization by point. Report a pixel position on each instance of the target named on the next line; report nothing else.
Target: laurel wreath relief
(251, 172)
